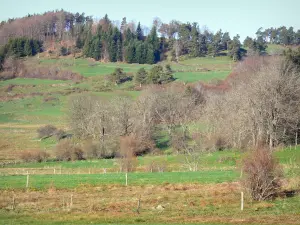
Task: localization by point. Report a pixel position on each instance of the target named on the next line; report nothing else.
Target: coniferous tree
(139, 32)
(203, 45)
(216, 43)
(150, 55)
(119, 51)
(154, 45)
(195, 42)
(139, 52)
(235, 48)
(141, 76)
(28, 48)
(87, 45)
(130, 53)
(96, 48)
(225, 41)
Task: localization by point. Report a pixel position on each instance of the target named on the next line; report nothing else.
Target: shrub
(119, 76)
(261, 175)
(34, 156)
(46, 131)
(90, 150)
(67, 151)
(100, 150)
(60, 134)
(157, 166)
(127, 156)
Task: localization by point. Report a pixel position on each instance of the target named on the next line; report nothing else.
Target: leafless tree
(260, 108)
(262, 175)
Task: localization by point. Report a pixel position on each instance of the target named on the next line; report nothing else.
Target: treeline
(109, 43)
(19, 47)
(281, 35)
(125, 41)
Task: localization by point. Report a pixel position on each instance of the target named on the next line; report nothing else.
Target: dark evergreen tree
(154, 45)
(195, 42)
(119, 51)
(235, 49)
(130, 53)
(248, 42)
(139, 32)
(87, 50)
(203, 45)
(141, 76)
(225, 41)
(28, 48)
(150, 55)
(217, 43)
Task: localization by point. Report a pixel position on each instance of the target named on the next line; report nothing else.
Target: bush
(127, 155)
(67, 151)
(90, 150)
(60, 134)
(100, 150)
(261, 175)
(119, 76)
(46, 131)
(34, 156)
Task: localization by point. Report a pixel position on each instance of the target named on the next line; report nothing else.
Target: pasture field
(26, 103)
(152, 198)
(94, 191)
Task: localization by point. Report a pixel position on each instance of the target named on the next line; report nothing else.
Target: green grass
(32, 110)
(31, 81)
(201, 76)
(74, 180)
(89, 68)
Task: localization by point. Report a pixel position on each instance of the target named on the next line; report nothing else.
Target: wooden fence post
(27, 180)
(71, 202)
(242, 201)
(126, 177)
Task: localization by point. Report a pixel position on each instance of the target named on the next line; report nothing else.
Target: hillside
(107, 122)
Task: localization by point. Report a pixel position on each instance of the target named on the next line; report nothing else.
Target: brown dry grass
(168, 203)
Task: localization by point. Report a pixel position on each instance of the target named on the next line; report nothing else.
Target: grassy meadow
(94, 191)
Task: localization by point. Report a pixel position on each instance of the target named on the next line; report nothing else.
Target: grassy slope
(26, 107)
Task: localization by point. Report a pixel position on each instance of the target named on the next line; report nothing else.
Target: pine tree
(123, 25)
(130, 53)
(150, 55)
(195, 42)
(138, 52)
(216, 44)
(139, 32)
(28, 48)
(119, 51)
(87, 45)
(96, 48)
(203, 45)
(36, 47)
(153, 42)
(141, 76)
(155, 74)
(235, 49)
(225, 41)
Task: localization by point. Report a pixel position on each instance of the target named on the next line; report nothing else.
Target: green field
(74, 180)
(201, 76)
(210, 195)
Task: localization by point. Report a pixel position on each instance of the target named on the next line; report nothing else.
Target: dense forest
(106, 40)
